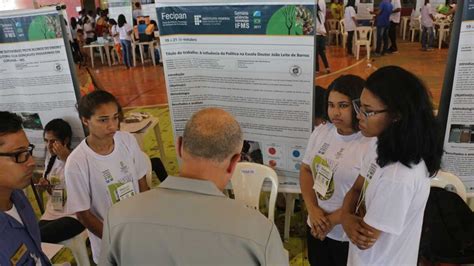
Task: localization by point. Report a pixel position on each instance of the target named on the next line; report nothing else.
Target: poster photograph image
(255, 61)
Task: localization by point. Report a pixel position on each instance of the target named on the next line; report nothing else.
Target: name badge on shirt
(57, 199)
(19, 253)
(125, 191)
(322, 179)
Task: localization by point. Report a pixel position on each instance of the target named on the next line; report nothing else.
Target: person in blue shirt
(20, 242)
(382, 23)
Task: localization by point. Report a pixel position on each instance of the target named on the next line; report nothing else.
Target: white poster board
(252, 58)
(364, 7)
(117, 7)
(458, 155)
(150, 10)
(35, 77)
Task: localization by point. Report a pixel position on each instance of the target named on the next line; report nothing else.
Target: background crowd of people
(386, 20)
(88, 27)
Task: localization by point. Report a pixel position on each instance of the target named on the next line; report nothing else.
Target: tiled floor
(138, 86)
(145, 84)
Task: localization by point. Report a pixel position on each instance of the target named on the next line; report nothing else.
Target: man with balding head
(187, 220)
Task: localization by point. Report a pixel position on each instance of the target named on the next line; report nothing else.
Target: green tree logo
(291, 20)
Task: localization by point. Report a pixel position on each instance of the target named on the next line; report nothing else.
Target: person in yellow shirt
(336, 9)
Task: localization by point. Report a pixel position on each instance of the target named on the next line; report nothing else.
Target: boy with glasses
(20, 242)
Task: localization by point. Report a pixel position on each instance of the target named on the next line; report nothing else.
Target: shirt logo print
(123, 167)
(339, 153)
(372, 170)
(107, 176)
(323, 148)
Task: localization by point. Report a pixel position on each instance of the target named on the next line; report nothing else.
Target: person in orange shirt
(101, 25)
(114, 32)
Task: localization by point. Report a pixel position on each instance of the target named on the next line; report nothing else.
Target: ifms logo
(197, 20)
(174, 16)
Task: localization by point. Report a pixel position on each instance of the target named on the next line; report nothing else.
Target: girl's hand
(359, 235)
(319, 222)
(61, 151)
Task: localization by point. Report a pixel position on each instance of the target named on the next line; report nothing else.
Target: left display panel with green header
(36, 75)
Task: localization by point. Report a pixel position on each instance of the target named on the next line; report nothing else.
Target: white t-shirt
(87, 28)
(343, 156)
(395, 17)
(426, 20)
(56, 178)
(395, 200)
(123, 32)
(93, 181)
(91, 19)
(115, 31)
(320, 29)
(13, 212)
(73, 33)
(349, 14)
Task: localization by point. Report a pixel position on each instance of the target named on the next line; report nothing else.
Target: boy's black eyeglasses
(20, 156)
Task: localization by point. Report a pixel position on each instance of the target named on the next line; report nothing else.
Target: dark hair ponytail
(121, 20)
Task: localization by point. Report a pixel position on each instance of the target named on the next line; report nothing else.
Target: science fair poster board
(364, 7)
(254, 59)
(117, 7)
(457, 99)
(36, 78)
(149, 10)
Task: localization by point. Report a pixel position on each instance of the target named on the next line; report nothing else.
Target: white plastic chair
(415, 27)
(449, 182)
(148, 175)
(158, 45)
(247, 182)
(443, 31)
(344, 33)
(78, 247)
(333, 30)
(134, 44)
(363, 36)
(151, 50)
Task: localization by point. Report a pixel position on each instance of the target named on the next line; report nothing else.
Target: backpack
(448, 229)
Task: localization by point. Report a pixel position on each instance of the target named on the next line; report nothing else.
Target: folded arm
(359, 233)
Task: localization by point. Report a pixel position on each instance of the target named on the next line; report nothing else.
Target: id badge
(57, 199)
(322, 179)
(125, 191)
